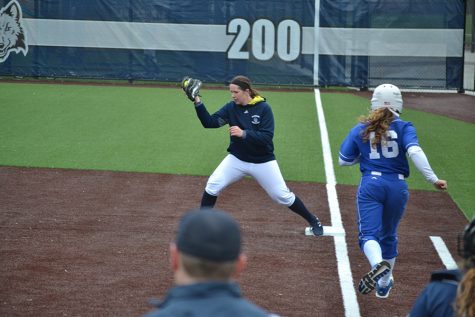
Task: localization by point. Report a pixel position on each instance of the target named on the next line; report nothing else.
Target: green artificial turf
(139, 129)
(105, 128)
(297, 136)
(144, 129)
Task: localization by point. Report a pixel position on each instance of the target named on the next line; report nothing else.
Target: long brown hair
(465, 304)
(245, 83)
(377, 121)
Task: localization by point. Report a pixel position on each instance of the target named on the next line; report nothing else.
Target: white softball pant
(267, 174)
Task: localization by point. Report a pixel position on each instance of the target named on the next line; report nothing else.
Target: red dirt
(453, 105)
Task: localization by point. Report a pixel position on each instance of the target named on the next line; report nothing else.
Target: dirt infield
(453, 105)
(92, 243)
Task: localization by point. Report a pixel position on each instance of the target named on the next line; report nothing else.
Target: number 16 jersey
(388, 156)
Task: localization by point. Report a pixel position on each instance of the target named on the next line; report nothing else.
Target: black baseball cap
(209, 234)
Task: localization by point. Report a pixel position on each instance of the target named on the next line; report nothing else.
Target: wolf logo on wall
(12, 36)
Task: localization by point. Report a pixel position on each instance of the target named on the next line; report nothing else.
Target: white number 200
(389, 148)
(264, 39)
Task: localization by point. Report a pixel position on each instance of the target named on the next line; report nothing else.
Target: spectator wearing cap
(205, 258)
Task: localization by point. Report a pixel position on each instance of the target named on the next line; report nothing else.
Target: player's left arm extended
(421, 162)
(419, 158)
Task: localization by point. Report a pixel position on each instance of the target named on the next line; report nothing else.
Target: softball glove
(191, 87)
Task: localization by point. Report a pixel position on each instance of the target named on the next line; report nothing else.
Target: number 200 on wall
(264, 40)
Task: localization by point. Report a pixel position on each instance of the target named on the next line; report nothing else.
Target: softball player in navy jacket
(380, 143)
(251, 149)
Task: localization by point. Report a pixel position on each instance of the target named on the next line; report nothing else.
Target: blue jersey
(387, 157)
(256, 120)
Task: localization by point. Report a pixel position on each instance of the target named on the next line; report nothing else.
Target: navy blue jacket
(256, 120)
(438, 297)
(217, 299)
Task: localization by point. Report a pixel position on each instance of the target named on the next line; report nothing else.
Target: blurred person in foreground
(451, 292)
(205, 258)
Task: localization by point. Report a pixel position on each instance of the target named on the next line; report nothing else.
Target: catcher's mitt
(191, 87)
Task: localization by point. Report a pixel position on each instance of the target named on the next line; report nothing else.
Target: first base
(327, 231)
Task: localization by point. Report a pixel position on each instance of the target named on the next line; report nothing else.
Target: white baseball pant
(267, 174)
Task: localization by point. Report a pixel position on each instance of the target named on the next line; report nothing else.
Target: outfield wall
(319, 42)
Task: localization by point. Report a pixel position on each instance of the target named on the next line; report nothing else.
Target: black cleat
(317, 227)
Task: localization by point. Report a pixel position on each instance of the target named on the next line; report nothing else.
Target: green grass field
(156, 130)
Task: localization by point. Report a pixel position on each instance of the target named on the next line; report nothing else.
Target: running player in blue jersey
(380, 143)
(251, 149)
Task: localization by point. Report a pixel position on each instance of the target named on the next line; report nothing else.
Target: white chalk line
(350, 301)
(444, 253)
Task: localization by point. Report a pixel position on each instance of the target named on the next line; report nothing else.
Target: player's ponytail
(377, 121)
(465, 305)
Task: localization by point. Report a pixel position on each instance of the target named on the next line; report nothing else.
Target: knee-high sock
(299, 208)
(373, 252)
(208, 200)
(384, 281)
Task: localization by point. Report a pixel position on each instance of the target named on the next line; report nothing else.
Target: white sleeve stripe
(411, 144)
(346, 158)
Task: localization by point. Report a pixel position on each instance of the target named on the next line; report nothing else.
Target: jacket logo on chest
(256, 119)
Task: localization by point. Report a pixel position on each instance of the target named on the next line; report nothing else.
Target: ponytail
(377, 121)
(465, 303)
